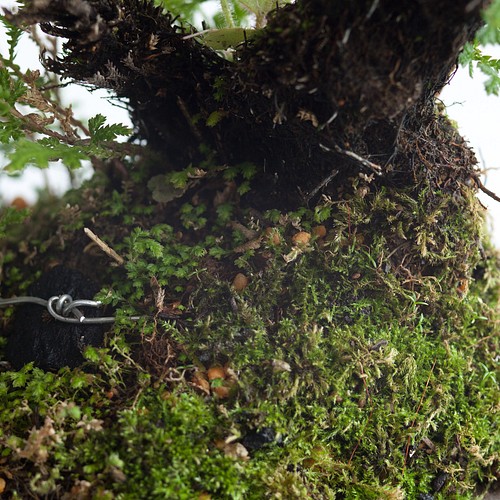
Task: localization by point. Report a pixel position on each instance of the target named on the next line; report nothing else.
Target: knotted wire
(63, 308)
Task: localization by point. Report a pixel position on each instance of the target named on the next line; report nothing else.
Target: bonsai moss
(358, 363)
(318, 308)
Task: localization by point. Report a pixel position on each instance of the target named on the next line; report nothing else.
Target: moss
(357, 365)
(352, 361)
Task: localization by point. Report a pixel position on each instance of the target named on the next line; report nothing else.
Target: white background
(478, 119)
(477, 116)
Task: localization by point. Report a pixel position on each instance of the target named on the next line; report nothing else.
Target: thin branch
(485, 190)
(33, 126)
(104, 246)
(321, 185)
(377, 169)
(366, 163)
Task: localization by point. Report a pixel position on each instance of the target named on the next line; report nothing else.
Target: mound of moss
(342, 351)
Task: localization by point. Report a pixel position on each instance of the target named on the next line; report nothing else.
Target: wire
(63, 308)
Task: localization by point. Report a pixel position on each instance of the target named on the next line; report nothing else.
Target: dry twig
(104, 246)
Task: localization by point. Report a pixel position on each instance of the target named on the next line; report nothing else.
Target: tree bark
(328, 89)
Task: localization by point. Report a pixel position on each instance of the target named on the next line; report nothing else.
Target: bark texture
(327, 87)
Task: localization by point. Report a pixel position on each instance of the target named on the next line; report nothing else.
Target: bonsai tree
(294, 294)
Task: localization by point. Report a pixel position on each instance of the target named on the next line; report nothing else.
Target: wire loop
(63, 308)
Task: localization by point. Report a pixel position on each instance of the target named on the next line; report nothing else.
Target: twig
(377, 169)
(485, 190)
(199, 33)
(366, 163)
(104, 246)
(372, 9)
(33, 126)
(321, 185)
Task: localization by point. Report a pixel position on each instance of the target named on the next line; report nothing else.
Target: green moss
(362, 355)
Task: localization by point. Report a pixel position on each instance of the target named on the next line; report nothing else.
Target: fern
(13, 37)
(490, 33)
(39, 153)
(99, 132)
(47, 132)
(11, 90)
(472, 55)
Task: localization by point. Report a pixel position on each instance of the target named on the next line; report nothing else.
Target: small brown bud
(319, 231)
(216, 372)
(301, 239)
(240, 282)
(273, 235)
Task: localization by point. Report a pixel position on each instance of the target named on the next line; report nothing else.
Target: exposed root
(485, 190)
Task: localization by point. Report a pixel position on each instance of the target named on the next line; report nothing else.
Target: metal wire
(63, 308)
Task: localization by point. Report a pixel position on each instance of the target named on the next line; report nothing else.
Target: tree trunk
(325, 84)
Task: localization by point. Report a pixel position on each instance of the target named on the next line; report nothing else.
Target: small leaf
(91, 354)
(163, 189)
(228, 37)
(100, 132)
(95, 123)
(13, 36)
(11, 89)
(74, 412)
(40, 153)
(18, 378)
(214, 118)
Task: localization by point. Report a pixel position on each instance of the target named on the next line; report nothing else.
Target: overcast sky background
(477, 116)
